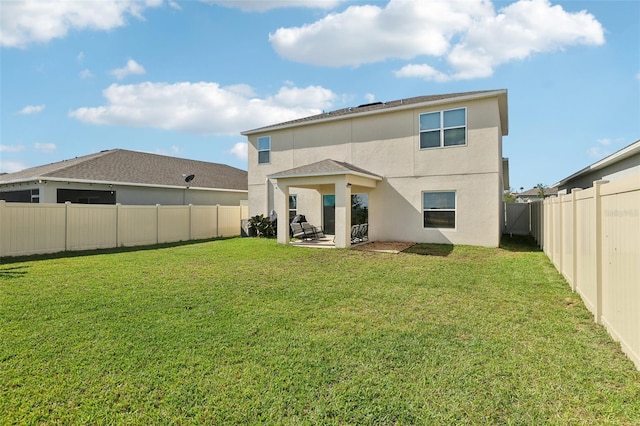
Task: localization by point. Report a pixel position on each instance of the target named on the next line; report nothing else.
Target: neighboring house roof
(624, 153)
(324, 168)
(534, 192)
(135, 168)
(382, 107)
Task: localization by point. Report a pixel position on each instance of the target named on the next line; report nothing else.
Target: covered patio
(325, 177)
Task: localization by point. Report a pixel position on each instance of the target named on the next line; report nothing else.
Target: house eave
(45, 179)
(501, 94)
(334, 173)
(620, 155)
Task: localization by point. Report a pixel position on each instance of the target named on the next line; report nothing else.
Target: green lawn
(245, 331)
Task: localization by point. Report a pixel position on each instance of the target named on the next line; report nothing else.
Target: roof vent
(371, 104)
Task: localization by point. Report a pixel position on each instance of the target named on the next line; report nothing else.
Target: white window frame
(454, 209)
(268, 150)
(442, 129)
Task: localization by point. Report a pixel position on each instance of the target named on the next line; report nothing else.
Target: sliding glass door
(359, 211)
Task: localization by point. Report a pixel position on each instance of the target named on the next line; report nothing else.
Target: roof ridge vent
(371, 104)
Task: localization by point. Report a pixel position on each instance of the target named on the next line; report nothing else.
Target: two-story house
(424, 169)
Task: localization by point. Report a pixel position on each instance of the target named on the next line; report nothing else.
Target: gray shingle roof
(374, 107)
(133, 167)
(533, 192)
(324, 167)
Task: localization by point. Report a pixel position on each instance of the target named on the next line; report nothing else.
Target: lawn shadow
(519, 243)
(66, 254)
(12, 272)
(430, 249)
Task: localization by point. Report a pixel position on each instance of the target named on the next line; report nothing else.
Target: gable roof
(397, 105)
(628, 151)
(325, 168)
(137, 169)
(534, 192)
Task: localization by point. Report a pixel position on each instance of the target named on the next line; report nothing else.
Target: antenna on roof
(188, 178)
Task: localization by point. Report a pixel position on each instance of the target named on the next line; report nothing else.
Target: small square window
(430, 121)
(430, 139)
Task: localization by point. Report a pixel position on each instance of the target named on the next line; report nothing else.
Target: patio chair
(297, 231)
(363, 232)
(354, 234)
(312, 232)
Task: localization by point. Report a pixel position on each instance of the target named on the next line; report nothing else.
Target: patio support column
(281, 206)
(343, 213)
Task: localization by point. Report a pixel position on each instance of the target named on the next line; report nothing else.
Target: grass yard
(245, 331)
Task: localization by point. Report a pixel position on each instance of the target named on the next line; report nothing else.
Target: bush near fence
(593, 238)
(27, 229)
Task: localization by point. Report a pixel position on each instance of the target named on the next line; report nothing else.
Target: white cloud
(312, 95)
(80, 58)
(86, 73)
(604, 147)
(37, 21)
(131, 68)
(44, 147)
(8, 166)
(424, 71)
(204, 108)
(11, 148)
(264, 5)
(370, 97)
(32, 109)
(240, 150)
(468, 34)
(174, 5)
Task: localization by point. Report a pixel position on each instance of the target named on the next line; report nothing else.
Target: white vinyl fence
(27, 229)
(593, 238)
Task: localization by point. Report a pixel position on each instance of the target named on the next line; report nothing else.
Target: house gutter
(40, 180)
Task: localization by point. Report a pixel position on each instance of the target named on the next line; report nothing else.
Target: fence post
(574, 238)
(562, 231)
(190, 221)
(598, 212)
(157, 223)
(118, 224)
(217, 220)
(67, 227)
(3, 237)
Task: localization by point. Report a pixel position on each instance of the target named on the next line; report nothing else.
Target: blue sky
(185, 78)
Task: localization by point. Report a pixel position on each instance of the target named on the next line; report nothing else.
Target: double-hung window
(439, 209)
(443, 128)
(264, 149)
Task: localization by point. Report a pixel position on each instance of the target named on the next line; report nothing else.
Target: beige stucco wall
(388, 145)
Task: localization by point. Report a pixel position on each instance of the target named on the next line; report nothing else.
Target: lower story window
(439, 209)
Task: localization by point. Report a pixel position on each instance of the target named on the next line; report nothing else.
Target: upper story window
(443, 128)
(264, 149)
